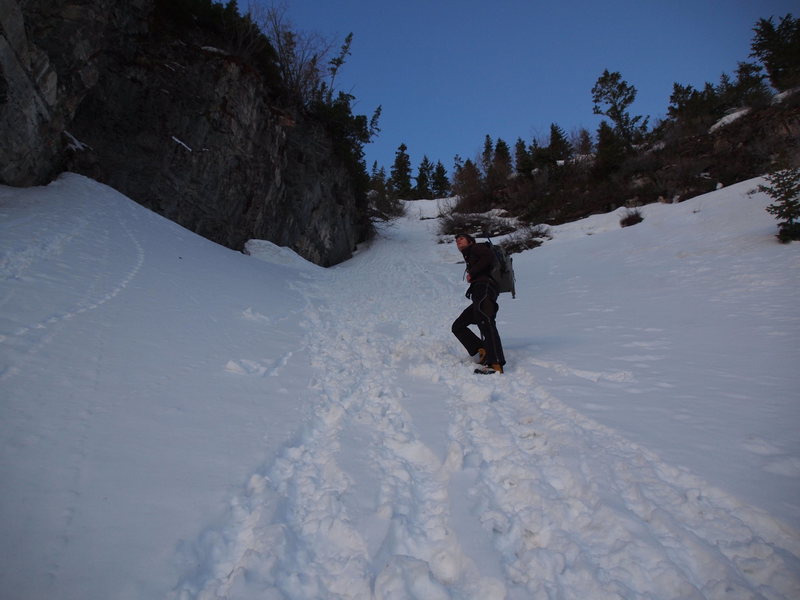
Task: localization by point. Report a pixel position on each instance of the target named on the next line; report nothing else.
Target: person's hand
(469, 278)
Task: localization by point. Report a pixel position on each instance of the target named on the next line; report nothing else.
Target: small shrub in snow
(784, 188)
(632, 217)
(444, 206)
(476, 224)
(527, 238)
(383, 206)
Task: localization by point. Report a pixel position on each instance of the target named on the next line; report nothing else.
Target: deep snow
(183, 421)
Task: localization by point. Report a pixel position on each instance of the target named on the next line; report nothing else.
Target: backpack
(502, 269)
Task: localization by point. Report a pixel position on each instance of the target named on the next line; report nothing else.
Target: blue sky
(447, 73)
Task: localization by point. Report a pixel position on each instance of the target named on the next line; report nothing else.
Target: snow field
(562, 506)
(185, 422)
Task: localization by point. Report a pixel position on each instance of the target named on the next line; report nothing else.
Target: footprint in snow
(269, 368)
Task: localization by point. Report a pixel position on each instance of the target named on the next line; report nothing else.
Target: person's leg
(465, 335)
(486, 308)
(494, 346)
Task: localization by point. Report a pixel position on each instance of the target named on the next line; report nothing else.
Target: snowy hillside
(183, 421)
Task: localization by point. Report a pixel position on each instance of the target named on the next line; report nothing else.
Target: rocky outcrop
(50, 57)
(181, 127)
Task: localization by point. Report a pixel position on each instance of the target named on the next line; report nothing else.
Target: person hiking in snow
(483, 293)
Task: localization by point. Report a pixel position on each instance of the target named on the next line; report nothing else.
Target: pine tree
(336, 63)
(468, 186)
(499, 168)
(377, 174)
(488, 154)
(784, 188)
(231, 9)
(382, 205)
(523, 165)
(424, 176)
(502, 153)
(778, 48)
(400, 174)
(610, 151)
(612, 96)
(559, 148)
(582, 142)
(749, 89)
(441, 184)
(540, 155)
(696, 108)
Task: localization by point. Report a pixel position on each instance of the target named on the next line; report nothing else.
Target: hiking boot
(481, 355)
(489, 369)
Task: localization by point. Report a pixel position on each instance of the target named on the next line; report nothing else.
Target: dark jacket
(479, 259)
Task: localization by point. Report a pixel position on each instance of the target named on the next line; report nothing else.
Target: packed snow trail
(496, 490)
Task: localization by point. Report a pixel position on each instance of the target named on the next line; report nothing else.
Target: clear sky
(449, 72)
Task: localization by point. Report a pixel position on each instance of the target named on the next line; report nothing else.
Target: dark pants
(481, 312)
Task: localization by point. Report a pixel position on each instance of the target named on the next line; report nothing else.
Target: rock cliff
(182, 127)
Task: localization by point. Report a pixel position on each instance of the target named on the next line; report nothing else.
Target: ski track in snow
(561, 503)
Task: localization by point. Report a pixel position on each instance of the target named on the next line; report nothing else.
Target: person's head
(463, 240)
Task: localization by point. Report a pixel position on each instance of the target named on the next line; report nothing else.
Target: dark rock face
(186, 130)
(50, 58)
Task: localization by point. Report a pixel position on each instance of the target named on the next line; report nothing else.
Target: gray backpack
(502, 269)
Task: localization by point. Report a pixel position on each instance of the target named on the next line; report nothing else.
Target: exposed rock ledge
(180, 127)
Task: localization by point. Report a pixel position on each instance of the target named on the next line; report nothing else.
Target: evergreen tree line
(431, 180)
(564, 176)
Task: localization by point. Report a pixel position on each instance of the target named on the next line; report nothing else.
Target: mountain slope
(181, 420)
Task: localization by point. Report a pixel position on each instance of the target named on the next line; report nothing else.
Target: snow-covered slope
(179, 420)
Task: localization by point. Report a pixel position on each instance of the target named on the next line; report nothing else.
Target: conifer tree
(336, 63)
(468, 186)
(381, 203)
(377, 178)
(441, 183)
(778, 48)
(499, 168)
(610, 151)
(749, 88)
(523, 165)
(231, 9)
(784, 188)
(502, 153)
(582, 142)
(698, 109)
(424, 176)
(540, 155)
(400, 174)
(612, 97)
(488, 154)
(559, 148)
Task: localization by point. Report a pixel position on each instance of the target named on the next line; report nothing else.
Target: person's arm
(480, 261)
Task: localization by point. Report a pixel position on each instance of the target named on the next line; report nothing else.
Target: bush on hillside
(526, 238)
(475, 224)
(632, 216)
